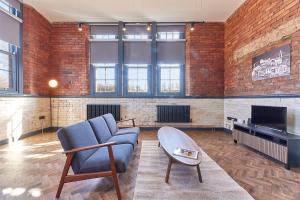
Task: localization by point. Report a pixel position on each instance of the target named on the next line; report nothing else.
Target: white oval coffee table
(170, 139)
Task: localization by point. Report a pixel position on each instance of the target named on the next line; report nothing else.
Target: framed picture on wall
(274, 63)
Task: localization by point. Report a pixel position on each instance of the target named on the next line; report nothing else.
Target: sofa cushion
(101, 129)
(78, 135)
(124, 139)
(63, 139)
(134, 130)
(99, 160)
(111, 123)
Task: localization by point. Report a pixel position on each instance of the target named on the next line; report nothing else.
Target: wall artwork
(274, 63)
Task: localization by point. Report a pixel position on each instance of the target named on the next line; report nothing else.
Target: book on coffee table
(187, 153)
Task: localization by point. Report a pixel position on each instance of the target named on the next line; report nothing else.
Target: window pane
(165, 73)
(142, 74)
(100, 86)
(170, 78)
(142, 86)
(100, 73)
(175, 86)
(165, 85)
(5, 62)
(4, 46)
(175, 74)
(110, 73)
(132, 85)
(5, 80)
(132, 73)
(105, 78)
(110, 86)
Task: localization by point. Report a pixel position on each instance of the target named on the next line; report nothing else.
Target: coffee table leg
(199, 173)
(168, 170)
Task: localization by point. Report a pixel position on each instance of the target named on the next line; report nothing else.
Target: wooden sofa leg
(116, 183)
(64, 174)
(114, 172)
(137, 141)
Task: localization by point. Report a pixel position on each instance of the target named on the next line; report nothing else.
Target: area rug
(183, 183)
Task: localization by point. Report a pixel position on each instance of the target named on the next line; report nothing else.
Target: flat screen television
(269, 116)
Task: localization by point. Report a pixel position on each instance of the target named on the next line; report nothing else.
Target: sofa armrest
(133, 122)
(89, 147)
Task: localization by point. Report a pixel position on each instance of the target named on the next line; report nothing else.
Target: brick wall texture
(59, 51)
(36, 52)
(69, 59)
(205, 60)
(255, 28)
(218, 56)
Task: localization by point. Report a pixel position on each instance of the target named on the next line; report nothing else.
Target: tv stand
(279, 145)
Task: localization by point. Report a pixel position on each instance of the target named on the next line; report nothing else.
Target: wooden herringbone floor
(31, 169)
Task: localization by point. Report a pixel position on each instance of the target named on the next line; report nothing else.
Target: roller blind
(104, 30)
(137, 52)
(137, 30)
(10, 29)
(104, 52)
(171, 52)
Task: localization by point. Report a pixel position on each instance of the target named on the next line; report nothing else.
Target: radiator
(95, 110)
(175, 113)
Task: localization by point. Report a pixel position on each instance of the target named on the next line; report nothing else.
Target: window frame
(137, 94)
(17, 68)
(153, 72)
(181, 82)
(93, 82)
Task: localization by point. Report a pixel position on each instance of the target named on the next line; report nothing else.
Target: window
(137, 78)
(12, 7)
(137, 61)
(169, 36)
(170, 32)
(105, 78)
(170, 59)
(104, 32)
(136, 32)
(169, 78)
(9, 45)
(104, 59)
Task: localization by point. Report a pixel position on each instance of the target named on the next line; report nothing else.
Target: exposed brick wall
(205, 60)
(59, 51)
(252, 30)
(36, 52)
(69, 59)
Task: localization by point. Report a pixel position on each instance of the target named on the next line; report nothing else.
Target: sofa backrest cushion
(101, 129)
(111, 123)
(75, 136)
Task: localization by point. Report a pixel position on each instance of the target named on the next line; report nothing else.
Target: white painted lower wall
(204, 112)
(241, 108)
(20, 115)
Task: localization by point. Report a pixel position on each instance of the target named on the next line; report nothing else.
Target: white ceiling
(135, 10)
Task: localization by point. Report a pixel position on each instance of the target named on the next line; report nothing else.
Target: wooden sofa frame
(65, 178)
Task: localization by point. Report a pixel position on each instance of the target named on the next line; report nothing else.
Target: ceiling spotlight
(192, 26)
(124, 27)
(80, 27)
(148, 27)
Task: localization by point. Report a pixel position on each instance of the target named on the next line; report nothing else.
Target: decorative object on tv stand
(53, 84)
(274, 63)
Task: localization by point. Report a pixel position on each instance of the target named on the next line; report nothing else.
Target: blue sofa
(96, 148)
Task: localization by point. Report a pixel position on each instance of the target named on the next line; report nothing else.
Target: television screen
(269, 116)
